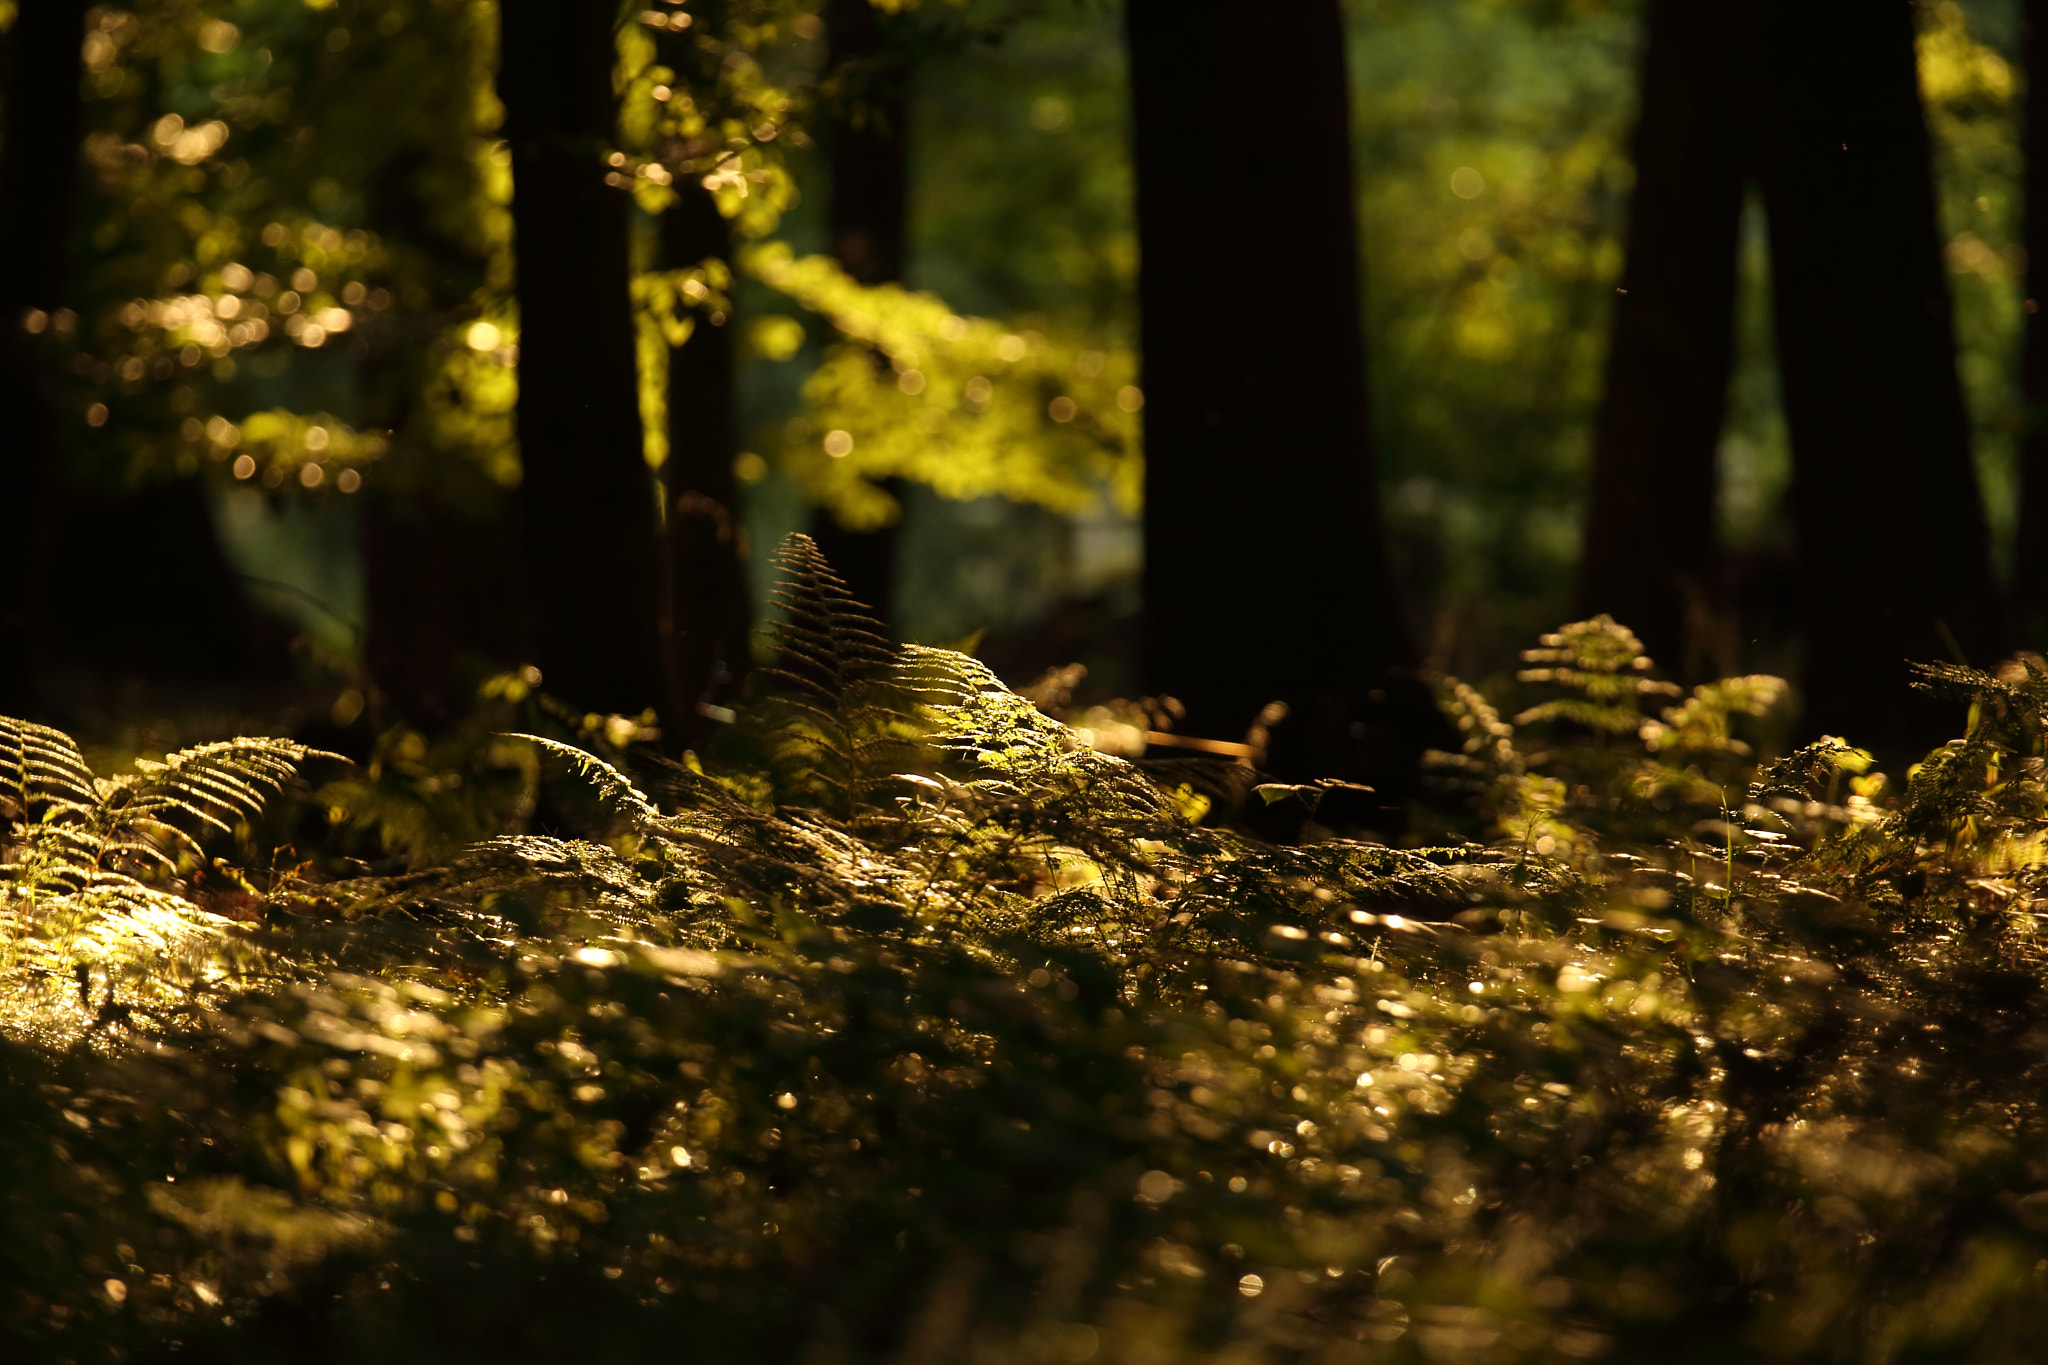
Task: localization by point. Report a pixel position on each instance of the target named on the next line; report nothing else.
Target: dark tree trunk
(708, 610)
(443, 574)
(2030, 567)
(870, 169)
(1894, 560)
(1266, 575)
(442, 589)
(591, 536)
(39, 179)
(1651, 558)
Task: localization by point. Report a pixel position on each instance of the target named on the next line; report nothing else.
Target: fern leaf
(826, 640)
(618, 794)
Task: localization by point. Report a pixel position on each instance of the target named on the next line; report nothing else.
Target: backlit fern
(93, 870)
(906, 1025)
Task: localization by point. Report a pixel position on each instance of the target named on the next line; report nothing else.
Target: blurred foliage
(1973, 108)
(907, 1026)
(960, 404)
(1491, 142)
(298, 213)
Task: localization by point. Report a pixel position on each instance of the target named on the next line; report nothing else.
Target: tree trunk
(1894, 560)
(709, 615)
(1651, 558)
(1266, 575)
(591, 536)
(870, 169)
(39, 179)
(2030, 567)
(443, 573)
(444, 608)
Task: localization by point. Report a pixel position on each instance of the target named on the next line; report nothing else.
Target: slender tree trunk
(709, 614)
(591, 536)
(1651, 558)
(442, 589)
(39, 180)
(1894, 560)
(1266, 574)
(870, 169)
(2030, 568)
(443, 574)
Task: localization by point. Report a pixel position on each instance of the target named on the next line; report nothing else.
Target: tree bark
(39, 179)
(1651, 555)
(2030, 567)
(1894, 555)
(591, 535)
(443, 571)
(870, 170)
(1266, 574)
(708, 611)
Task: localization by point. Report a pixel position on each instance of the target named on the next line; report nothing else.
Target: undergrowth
(906, 1026)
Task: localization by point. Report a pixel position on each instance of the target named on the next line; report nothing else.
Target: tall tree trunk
(39, 179)
(1266, 574)
(443, 574)
(2030, 567)
(1894, 560)
(1651, 558)
(591, 536)
(708, 609)
(870, 169)
(443, 605)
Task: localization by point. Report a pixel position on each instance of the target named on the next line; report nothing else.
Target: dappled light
(878, 681)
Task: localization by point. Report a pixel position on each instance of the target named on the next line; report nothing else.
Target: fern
(833, 725)
(980, 1018)
(90, 869)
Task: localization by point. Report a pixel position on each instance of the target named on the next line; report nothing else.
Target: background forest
(338, 508)
(896, 696)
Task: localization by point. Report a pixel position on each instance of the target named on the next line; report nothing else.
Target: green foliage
(916, 391)
(97, 871)
(1586, 762)
(908, 1024)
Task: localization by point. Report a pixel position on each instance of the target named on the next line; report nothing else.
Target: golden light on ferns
(838, 444)
(483, 336)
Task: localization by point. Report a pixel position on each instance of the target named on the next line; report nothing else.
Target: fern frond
(617, 793)
(40, 767)
(827, 642)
